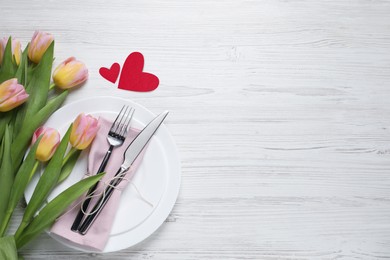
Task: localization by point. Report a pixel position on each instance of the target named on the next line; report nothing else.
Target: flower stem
(34, 169)
(21, 228)
(52, 86)
(70, 153)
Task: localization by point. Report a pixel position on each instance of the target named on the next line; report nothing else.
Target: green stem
(34, 169)
(20, 230)
(70, 153)
(52, 86)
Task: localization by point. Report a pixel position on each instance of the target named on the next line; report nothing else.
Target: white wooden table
(280, 110)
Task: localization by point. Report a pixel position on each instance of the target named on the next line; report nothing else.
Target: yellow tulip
(84, 130)
(38, 45)
(70, 73)
(12, 95)
(48, 144)
(16, 48)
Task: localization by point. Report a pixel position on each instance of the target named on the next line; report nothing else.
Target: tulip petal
(49, 142)
(3, 43)
(70, 73)
(39, 44)
(11, 95)
(16, 49)
(84, 130)
(78, 130)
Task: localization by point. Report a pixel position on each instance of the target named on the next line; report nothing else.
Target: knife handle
(90, 219)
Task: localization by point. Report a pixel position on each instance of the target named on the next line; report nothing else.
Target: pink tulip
(38, 45)
(70, 73)
(12, 95)
(48, 144)
(16, 48)
(84, 130)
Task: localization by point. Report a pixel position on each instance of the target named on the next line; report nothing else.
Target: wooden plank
(279, 110)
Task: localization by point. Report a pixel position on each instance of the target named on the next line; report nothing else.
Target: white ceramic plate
(157, 178)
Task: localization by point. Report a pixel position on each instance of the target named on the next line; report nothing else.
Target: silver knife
(129, 156)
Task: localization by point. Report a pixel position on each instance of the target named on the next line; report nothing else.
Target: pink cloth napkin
(98, 234)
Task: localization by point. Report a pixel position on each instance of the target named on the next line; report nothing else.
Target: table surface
(280, 110)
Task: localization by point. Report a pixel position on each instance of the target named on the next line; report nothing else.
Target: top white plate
(157, 178)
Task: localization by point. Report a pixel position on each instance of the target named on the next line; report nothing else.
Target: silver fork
(116, 136)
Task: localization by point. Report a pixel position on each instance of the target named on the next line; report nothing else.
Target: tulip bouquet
(28, 96)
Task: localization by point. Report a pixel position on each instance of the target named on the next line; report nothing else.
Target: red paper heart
(110, 74)
(133, 78)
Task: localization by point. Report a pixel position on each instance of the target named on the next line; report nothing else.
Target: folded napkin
(98, 234)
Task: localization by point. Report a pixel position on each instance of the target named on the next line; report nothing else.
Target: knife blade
(130, 155)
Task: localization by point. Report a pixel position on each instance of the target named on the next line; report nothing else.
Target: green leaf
(22, 178)
(21, 71)
(22, 140)
(54, 208)
(8, 67)
(5, 118)
(23, 175)
(8, 248)
(6, 174)
(48, 179)
(69, 164)
(1, 149)
(28, 75)
(39, 85)
(21, 75)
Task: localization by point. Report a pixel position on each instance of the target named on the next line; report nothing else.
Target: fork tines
(120, 126)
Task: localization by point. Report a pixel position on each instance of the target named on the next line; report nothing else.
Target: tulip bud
(84, 130)
(70, 73)
(16, 48)
(38, 45)
(12, 95)
(48, 144)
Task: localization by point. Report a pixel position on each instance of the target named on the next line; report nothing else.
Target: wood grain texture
(280, 110)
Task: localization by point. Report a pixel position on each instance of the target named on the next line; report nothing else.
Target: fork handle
(85, 204)
(105, 160)
(90, 219)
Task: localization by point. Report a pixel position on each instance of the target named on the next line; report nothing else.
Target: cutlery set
(116, 137)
